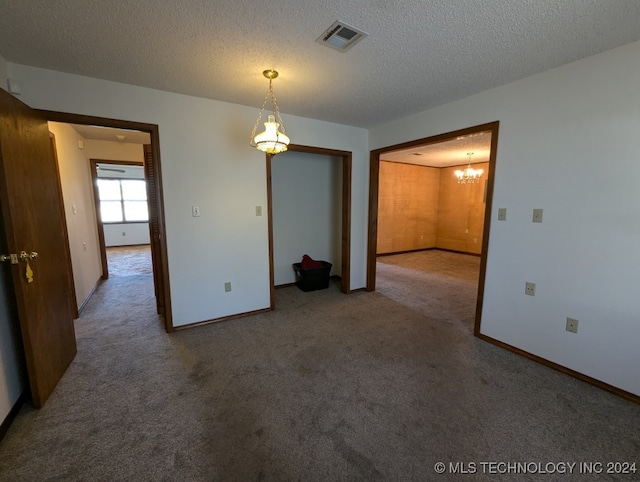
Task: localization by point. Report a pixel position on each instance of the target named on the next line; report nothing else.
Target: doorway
(345, 210)
(122, 211)
(152, 174)
(376, 157)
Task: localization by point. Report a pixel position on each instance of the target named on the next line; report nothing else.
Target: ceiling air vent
(341, 36)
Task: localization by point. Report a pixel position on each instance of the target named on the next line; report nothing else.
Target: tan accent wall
(424, 207)
(407, 207)
(79, 207)
(461, 211)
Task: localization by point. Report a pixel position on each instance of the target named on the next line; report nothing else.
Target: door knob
(9, 257)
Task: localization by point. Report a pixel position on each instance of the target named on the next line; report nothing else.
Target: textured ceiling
(453, 152)
(114, 135)
(418, 54)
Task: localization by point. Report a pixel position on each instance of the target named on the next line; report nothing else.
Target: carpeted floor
(439, 284)
(129, 260)
(367, 386)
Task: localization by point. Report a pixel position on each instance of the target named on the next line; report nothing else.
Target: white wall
(121, 234)
(307, 194)
(113, 151)
(4, 73)
(128, 234)
(206, 161)
(568, 143)
(79, 207)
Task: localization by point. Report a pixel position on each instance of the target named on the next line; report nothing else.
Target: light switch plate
(502, 214)
(195, 211)
(537, 215)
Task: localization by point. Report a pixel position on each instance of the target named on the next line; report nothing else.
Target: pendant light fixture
(274, 138)
(469, 175)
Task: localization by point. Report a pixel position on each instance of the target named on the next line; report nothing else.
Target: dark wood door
(31, 201)
(154, 229)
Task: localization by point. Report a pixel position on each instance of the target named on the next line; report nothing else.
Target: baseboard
(221, 319)
(127, 245)
(285, 285)
(289, 285)
(459, 252)
(632, 397)
(380, 255)
(13, 413)
(93, 290)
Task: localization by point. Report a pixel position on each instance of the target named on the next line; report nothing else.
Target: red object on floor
(309, 263)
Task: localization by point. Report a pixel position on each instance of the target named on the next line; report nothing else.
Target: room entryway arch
(345, 268)
(374, 180)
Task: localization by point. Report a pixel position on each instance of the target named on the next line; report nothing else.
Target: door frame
(345, 268)
(96, 197)
(72, 298)
(374, 184)
(156, 208)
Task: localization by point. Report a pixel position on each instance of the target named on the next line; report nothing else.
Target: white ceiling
(115, 135)
(453, 152)
(418, 53)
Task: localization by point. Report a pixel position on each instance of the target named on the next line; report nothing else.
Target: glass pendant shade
(271, 141)
(274, 138)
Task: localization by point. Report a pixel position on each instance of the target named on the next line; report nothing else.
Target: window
(123, 200)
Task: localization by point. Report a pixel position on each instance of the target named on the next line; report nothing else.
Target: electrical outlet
(537, 215)
(530, 289)
(195, 211)
(572, 325)
(227, 286)
(502, 214)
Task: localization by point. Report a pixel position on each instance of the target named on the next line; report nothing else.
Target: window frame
(121, 200)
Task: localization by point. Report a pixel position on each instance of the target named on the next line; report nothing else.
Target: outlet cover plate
(530, 288)
(572, 325)
(537, 215)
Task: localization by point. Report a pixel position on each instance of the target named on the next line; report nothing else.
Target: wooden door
(154, 229)
(31, 202)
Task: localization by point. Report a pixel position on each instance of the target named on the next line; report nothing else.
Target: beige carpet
(329, 387)
(438, 284)
(129, 260)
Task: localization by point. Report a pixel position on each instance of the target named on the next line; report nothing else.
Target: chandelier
(469, 175)
(274, 138)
